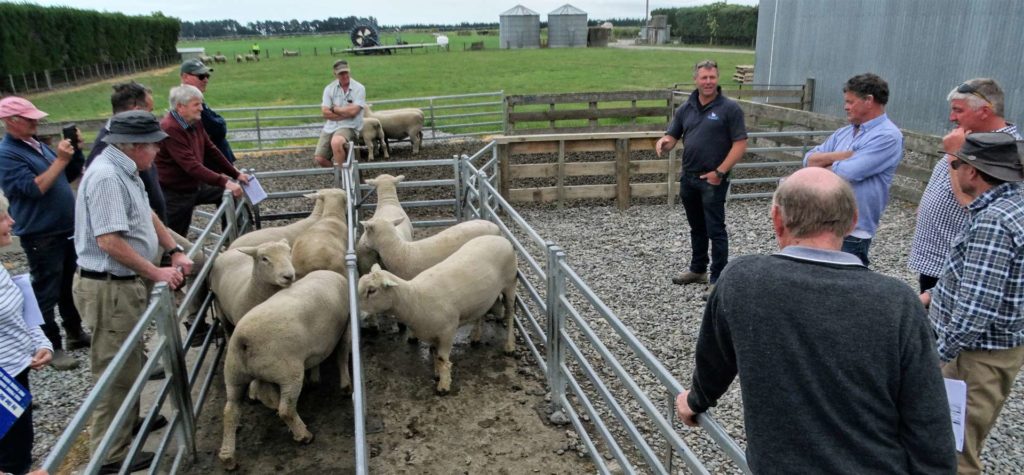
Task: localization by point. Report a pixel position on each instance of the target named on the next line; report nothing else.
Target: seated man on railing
(117, 237)
(838, 363)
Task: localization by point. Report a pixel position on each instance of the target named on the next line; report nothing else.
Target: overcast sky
(388, 12)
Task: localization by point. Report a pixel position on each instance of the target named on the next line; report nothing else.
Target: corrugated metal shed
(922, 48)
(519, 27)
(567, 27)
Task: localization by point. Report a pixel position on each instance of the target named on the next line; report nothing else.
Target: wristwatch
(720, 175)
(175, 250)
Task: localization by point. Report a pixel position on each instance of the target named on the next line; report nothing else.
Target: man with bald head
(817, 359)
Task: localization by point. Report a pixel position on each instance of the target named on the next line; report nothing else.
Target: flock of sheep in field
(293, 310)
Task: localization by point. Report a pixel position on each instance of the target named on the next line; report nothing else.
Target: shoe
(62, 361)
(689, 277)
(707, 293)
(79, 340)
(142, 461)
(158, 423)
(200, 335)
(157, 374)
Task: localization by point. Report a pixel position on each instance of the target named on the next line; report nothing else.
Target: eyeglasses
(969, 89)
(956, 163)
(202, 77)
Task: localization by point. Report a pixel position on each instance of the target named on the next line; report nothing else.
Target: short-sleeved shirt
(707, 131)
(112, 199)
(334, 95)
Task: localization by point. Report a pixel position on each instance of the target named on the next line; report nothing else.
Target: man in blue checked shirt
(977, 308)
(865, 153)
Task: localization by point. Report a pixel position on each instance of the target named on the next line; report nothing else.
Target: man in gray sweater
(838, 363)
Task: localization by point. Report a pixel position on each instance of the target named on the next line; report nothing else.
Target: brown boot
(62, 361)
(689, 277)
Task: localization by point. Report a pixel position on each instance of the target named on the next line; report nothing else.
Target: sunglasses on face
(202, 77)
(973, 90)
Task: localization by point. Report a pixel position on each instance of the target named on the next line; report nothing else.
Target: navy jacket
(37, 214)
(217, 128)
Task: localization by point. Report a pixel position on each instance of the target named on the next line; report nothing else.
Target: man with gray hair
(117, 237)
(974, 106)
(816, 360)
(343, 105)
(192, 169)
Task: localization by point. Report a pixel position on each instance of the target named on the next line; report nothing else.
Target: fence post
(230, 216)
(807, 103)
(555, 322)
(167, 326)
(561, 174)
(433, 121)
(460, 184)
(484, 195)
(622, 194)
(49, 83)
(503, 170)
(259, 132)
(14, 88)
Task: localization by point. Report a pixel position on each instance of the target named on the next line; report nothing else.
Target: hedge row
(714, 24)
(34, 38)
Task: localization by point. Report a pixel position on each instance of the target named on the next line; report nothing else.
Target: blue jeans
(52, 262)
(858, 247)
(705, 212)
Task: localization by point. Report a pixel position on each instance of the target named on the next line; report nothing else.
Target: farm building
(191, 53)
(912, 44)
(567, 27)
(519, 27)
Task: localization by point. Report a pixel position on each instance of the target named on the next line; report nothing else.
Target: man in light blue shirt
(865, 153)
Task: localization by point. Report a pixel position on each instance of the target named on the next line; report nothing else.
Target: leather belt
(88, 274)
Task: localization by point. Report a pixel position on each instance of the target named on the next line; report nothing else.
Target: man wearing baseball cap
(37, 182)
(195, 73)
(343, 104)
(118, 237)
(977, 307)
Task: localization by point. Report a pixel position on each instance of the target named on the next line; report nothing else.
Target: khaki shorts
(323, 147)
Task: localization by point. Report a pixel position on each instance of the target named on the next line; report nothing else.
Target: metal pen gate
(557, 313)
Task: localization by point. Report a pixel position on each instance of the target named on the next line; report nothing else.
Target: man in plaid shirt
(977, 308)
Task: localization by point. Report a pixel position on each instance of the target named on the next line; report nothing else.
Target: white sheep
(459, 290)
(295, 330)
(389, 208)
(401, 123)
(244, 277)
(238, 58)
(324, 244)
(407, 259)
(290, 231)
(373, 137)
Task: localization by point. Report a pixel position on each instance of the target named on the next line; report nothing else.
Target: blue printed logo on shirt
(712, 116)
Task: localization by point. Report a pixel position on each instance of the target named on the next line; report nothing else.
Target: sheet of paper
(30, 311)
(254, 191)
(956, 392)
(14, 399)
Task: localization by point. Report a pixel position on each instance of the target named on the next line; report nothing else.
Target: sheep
(324, 244)
(373, 136)
(401, 123)
(238, 58)
(220, 58)
(244, 277)
(388, 207)
(293, 230)
(250, 57)
(458, 290)
(295, 330)
(407, 259)
(206, 59)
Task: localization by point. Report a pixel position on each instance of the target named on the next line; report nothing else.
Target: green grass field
(300, 80)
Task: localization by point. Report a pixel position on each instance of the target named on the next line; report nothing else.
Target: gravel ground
(627, 258)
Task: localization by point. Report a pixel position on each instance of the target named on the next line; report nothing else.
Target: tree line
(715, 24)
(35, 38)
(221, 28)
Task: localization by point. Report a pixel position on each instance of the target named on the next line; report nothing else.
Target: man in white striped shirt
(116, 238)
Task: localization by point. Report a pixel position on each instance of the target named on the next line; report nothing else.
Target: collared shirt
(708, 131)
(825, 256)
(181, 121)
(18, 341)
(877, 151)
(978, 303)
(334, 95)
(112, 199)
(939, 218)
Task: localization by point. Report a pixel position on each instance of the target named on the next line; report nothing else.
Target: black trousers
(16, 445)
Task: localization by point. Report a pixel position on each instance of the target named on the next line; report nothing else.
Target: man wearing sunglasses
(865, 153)
(977, 307)
(974, 106)
(195, 73)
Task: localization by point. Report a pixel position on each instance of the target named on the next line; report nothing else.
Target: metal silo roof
(520, 10)
(567, 10)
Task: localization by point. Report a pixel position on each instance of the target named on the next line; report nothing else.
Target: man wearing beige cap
(977, 307)
(343, 104)
(37, 182)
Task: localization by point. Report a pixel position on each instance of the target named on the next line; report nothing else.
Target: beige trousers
(989, 375)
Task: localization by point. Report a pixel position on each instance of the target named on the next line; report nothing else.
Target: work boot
(690, 277)
(62, 361)
(79, 339)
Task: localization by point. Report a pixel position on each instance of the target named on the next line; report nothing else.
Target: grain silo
(567, 27)
(519, 27)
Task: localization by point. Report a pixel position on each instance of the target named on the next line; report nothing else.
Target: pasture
(300, 80)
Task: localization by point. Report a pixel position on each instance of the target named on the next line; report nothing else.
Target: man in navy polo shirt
(715, 137)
